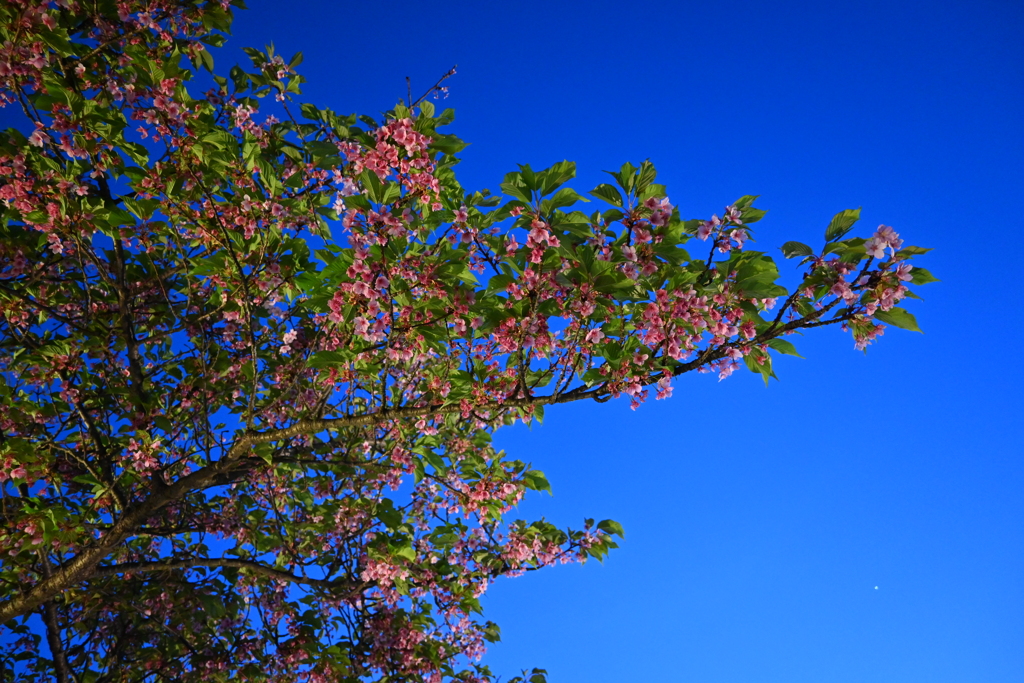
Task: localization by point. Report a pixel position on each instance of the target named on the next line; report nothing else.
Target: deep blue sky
(759, 521)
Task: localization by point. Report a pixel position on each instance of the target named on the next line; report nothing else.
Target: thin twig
(434, 88)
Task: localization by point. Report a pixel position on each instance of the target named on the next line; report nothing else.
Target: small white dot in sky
(876, 587)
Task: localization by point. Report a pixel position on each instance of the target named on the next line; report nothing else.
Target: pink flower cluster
(400, 150)
(142, 458)
(884, 238)
(661, 210)
(11, 469)
(383, 573)
(539, 240)
(725, 240)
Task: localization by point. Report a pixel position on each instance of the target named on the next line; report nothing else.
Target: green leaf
(745, 201)
(214, 40)
(321, 149)
(445, 117)
(922, 277)
(391, 193)
(610, 526)
(608, 193)
(752, 215)
(899, 318)
(498, 283)
(387, 513)
(612, 215)
(325, 359)
(556, 175)
(535, 480)
(564, 197)
(529, 177)
(435, 460)
(760, 362)
(756, 276)
(645, 176)
(372, 184)
(206, 59)
(406, 551)
(239, 78)
(783, 346)
(309, 111)
(841, 224)
(833, 248)
(791, 249)
(514, 187)
(448, 144)
(626, 177)
(491, 632)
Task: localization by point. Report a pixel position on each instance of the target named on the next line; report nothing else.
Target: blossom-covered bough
(250, 364)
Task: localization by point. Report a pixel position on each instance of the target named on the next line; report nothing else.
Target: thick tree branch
(60, 660)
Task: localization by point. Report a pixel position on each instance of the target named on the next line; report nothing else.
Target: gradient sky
(759, 521)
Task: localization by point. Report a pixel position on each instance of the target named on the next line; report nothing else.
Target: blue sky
(759, 520)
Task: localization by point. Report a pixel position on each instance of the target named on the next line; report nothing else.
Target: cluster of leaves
(250, 364)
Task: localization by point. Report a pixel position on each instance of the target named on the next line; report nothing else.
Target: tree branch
(60, 660)
(217, 562)
(83, 565)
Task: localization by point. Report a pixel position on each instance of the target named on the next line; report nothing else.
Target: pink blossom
(707, 227)
(875, 247)
(725, 369)
(348, 188)
(38, 138)
(288, 338)
(864, 337)
(664, 387)
(888, 299)
(890, 237)
(842, 289)
(362, 326)
(56, 245)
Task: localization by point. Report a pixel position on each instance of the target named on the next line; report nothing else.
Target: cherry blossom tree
(251, 362)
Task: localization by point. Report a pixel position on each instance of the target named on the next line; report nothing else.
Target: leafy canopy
(251, 363)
